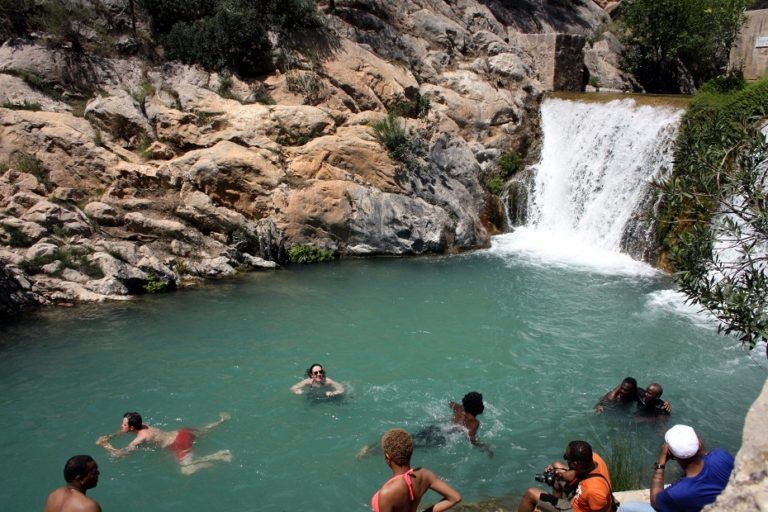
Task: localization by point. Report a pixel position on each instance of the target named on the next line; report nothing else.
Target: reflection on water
(541, 343)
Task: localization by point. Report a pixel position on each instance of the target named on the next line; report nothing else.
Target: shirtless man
(178, 441)
(625, 393)
(316, 378)
(81, 473)
(466, 415)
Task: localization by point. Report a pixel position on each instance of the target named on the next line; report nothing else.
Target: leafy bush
(227, 34)
(15, 237)
(416, 107)
(403, 145)
(495, 185)
(717, 191)
(670, 40)
(509, 164)
(308, 253)
(155, 284)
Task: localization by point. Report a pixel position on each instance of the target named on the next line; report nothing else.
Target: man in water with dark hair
(647, 400)
(625, 393)
(81, 473)
(178, 441)
(464, 415)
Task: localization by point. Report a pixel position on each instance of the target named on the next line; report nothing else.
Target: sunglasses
(321, 372)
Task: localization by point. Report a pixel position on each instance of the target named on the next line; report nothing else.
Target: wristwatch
(658, 466)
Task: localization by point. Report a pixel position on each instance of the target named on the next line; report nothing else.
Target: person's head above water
(473, 403)
(628, 386)
(397, 445)
(316, 372)
(132, 421)
(84, 468)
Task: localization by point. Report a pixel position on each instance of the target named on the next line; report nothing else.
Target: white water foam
(674, 301)
(564, 250)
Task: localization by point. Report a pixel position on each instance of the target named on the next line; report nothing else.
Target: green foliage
(31, 165)
(625, 461)
(75, 258)
(306, 83)
(416, 107)
(670, 40)
(225, 86)
(227, 34)
(509, 164)
(15, 237)
(495, 184)
(59, 19)
(594, 82)
(403, 145)
(717, 194)
(155, 284)
(24, 105)
(308, 253)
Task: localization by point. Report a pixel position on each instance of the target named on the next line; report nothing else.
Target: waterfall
(590, 195)
(597, 164)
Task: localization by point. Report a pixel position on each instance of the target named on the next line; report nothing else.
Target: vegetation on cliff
(219, 35)
(679, 44)
(715, 219)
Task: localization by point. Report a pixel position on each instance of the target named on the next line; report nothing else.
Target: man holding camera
(584, 485)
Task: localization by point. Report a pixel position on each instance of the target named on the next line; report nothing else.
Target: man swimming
(464, 419)
(177, 441)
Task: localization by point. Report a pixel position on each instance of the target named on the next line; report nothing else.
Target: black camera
(548, 477)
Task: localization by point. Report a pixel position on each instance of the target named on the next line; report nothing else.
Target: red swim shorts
(182, 445)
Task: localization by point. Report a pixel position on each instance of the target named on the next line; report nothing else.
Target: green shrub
(416, 107)
(402, 145)
(308, 253)
(155, 284)
(718, 157)
(24, 105)
(509, 164)
(16, 238)
(31, 165)
(75, 258)
(225, 86)
(495, 184)
(668, 41)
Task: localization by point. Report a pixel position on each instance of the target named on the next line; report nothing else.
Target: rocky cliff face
(120, 176)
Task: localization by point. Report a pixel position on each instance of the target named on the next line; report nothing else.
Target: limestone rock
(160, 227)
(15, 292)
(14, 91)
(102, 213)
(119, 115)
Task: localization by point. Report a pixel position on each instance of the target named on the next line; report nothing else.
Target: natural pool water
(541, 337)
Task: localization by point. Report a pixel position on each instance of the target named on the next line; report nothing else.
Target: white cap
(683, 441)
